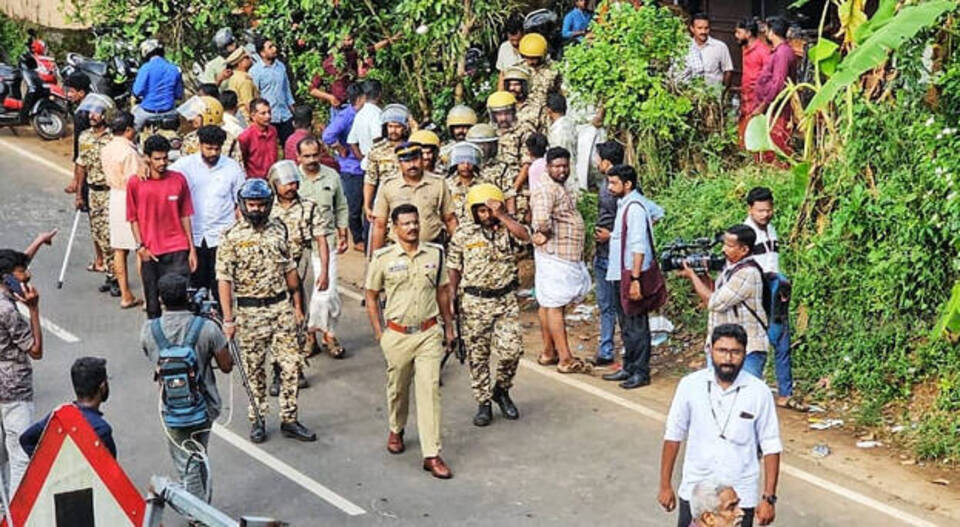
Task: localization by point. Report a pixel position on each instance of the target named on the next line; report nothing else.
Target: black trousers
(151, 271)
(635, 330)
(686, 517)
(206, 273)
(284, 130)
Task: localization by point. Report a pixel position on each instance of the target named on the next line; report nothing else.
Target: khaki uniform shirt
(531, 116)
(382, 163)
(325, 190)
(90, 144)
(409, 281)
(511, 144)
(485, 258)
(305, 222)
(231, 147)
(430, 195)
(255, 261)
(242, 83)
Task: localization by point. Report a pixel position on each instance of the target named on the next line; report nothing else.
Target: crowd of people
(254, 201)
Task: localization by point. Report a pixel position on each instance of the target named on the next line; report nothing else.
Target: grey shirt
(175, 325)
(16, 338)
(607, 205)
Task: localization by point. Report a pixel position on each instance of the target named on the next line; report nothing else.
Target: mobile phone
(13, 285)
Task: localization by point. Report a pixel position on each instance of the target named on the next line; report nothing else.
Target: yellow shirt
(409, 281)
(430, 195)
(242, 83)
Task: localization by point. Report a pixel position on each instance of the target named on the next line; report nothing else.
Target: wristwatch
(770, 498)
(634, 278)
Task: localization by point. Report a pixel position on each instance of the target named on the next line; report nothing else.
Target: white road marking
(354, 510)
(36, 158)
(786, 468)
(289, 472)
(48, 325)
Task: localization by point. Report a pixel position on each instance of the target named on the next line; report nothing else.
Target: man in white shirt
(707, 58)
(233, 122)
(726, 416)
(366, 124)
(509, 52)
(563, 133)
(766, 250)
(214, 181)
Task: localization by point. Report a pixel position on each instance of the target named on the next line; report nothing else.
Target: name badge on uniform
(430, 266)
(476, 245)
(396, 267)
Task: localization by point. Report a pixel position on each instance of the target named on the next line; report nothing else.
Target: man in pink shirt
(302, 123)
(259, 141)
(755, 56)
(159, 209)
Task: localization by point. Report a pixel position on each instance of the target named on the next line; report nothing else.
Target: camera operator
(737, 295)
(211, 344)
(766, 250)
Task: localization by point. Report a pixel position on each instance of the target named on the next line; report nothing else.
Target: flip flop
(544, 361)
(793, 404)
(576, 365)
(94, 269)
(136, 302)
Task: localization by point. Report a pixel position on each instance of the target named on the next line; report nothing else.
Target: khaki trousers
(415, 357)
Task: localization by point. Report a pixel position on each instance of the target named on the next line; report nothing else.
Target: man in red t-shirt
(258, 142)
(159, 209)
(755, 56)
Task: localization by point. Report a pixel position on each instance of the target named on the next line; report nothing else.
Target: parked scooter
(114, 77)
(26, 99)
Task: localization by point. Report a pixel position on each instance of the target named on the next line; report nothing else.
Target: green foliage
(587, 205)
(13, 37)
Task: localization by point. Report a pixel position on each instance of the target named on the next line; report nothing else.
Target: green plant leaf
(884, 13)
(757, 136)
(873, 52)
(826, 55)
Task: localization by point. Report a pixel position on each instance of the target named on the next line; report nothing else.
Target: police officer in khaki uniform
(382, 163)
(88, 170)
(254, 265)
(459, 120)
(428, 192)
(411, 274)
(306, 228)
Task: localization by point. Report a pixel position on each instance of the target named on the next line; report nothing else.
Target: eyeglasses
(729, 351)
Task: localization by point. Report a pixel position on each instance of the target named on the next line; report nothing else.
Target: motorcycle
(114, 77)
(26, 99)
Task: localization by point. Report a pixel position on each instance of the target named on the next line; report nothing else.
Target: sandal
(92, 268)
(543, 360)
(334, 349)
(793, 404)
(576, 365)
(136, 302)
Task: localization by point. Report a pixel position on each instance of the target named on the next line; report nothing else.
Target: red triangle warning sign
(73, 480)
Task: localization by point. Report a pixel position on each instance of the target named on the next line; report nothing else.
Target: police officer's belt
(249, 301)
(409, 330)
(492, 293)
(99, 188)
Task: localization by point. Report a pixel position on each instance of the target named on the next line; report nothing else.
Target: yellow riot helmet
(502, 108)
(425, 138)
(479, 194)
(461, 115)
(533, 45)
(212, 111)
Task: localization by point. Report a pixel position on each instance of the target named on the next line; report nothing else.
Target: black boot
(484, 414)
(275, 385)
(302, 381)
(115, 288)
(105, 286)
(297, 431)
(258, 432)
(507, 408)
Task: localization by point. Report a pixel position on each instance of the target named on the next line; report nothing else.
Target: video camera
(202, 303)
(696, 253)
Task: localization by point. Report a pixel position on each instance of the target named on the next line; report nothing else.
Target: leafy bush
(13, 37)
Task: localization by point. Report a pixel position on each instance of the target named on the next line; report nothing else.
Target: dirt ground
(883, 468)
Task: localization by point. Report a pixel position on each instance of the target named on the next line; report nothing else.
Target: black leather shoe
(635, 381)
(297, 431)
(115, 289)
(302, 382)
(258, 433)
(619, 375)
(600, 361)
(484, 414)
(105, 286)
(275, 384)
(507, 408)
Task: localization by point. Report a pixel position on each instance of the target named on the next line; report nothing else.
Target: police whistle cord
(66, 255)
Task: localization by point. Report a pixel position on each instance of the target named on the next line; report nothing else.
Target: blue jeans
(607, 297)
(353, 190)
(754, 362)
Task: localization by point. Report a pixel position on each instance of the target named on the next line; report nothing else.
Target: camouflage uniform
(304, 221)
(458, 195)
(256, 261)
(531, 116)
(98, 199)
(543, 80)
(486, 264)
(231, 147)
(382, 163)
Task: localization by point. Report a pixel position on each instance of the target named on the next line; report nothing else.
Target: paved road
(573, 459)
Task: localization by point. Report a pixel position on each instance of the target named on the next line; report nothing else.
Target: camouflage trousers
(491, 324)
(263, 330)
(99, 201)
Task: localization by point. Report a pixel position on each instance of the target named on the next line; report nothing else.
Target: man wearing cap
(429, 143)
(459, 120)
(207, 111)
(429, 193)
(217, 70)
(241, 82)
(382, 163)
(306, 228)
(412, 277)
(483, 273)
(511, 134)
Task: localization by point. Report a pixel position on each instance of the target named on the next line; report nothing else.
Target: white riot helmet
(283, 173)
(99, 104)
(464, 152)
(222, 39)
(149, 47)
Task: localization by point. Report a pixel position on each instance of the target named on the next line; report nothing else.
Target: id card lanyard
(722, 429)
